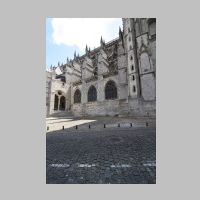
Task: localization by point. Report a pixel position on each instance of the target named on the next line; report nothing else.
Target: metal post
(119, 125)
(63, 127)
(76, 127)
(104, 126)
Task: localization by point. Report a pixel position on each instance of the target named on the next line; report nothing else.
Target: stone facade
(117, 78)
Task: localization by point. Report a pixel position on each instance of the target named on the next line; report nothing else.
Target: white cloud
(82, 31)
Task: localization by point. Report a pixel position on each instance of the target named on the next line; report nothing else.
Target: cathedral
(118, 78)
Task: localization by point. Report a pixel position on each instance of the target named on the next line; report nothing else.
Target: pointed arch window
(110, 90)
(77, 96)
(92, 94)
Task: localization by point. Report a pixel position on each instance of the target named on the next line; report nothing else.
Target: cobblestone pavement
(124, 156)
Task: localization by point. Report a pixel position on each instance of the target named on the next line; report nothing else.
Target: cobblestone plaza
(111, 155)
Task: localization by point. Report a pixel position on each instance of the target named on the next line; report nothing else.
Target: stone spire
(75, 55)
(86, 50)
(102, 42)
(120, 34)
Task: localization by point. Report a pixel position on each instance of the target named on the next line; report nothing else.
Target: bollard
(63, 127)
(147, 124)
(104, 126)
(89, 125)
(47, 128)
(76, 127)
(131, 124)
(118, 125)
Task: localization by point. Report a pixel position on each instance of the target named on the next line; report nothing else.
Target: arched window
(92, 94)
(62, 103)
(110, 90)
(77, 96)
(133, 77)
(56, 102)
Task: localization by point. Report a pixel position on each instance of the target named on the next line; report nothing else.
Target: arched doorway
(56, 102)
(62, 103)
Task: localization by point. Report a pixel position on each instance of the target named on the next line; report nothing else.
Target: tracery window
(110, 90)
(92, 94)
(77, 96)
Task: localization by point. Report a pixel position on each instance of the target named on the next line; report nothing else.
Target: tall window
(110, 90)
(92, 94)
(77, 96)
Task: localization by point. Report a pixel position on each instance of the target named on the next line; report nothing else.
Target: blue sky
(66, 35)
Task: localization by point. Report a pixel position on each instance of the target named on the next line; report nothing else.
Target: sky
(64, 36)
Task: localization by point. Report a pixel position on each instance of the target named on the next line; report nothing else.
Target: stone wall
(104, 108)
(139, 107)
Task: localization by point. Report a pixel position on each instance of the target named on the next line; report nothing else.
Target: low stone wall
(104, 108)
